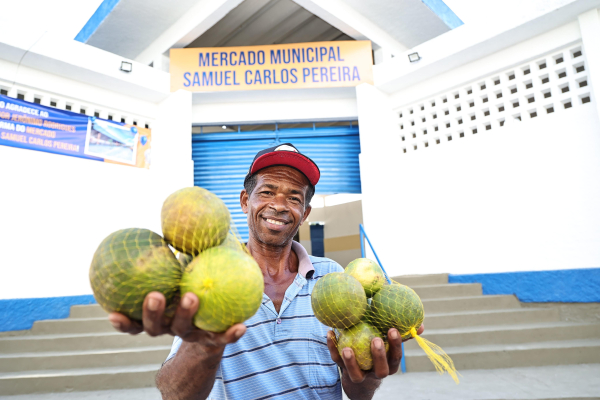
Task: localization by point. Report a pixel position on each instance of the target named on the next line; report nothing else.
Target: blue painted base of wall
(19, 314)
(562, 286)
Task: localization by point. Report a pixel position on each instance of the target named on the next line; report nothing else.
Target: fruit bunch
(361, 304)
(213, 264)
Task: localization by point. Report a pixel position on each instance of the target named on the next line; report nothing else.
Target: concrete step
(19, 362)
(511, 356)
(71, 325)
(459, 304)
(139, 376)
(448, 290)
(432, 320)
(80, 342)
(425, 292)
(87, 311)
(421, 280)
(490, 317)
(508, 334)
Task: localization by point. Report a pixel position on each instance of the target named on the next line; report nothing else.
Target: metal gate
(221, 161)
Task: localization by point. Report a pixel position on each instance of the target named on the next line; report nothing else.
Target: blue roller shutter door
(221, 161)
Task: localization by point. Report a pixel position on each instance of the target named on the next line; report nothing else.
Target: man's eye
(295, 199)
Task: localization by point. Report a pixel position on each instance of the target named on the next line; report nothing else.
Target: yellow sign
(282, 66)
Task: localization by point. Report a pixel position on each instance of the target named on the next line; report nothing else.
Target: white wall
(517, 197)
(54, 209)
(334, 104)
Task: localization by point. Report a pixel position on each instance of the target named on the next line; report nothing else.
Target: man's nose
(279, 203)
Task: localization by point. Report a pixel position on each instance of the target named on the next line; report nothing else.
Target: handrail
(363, 236)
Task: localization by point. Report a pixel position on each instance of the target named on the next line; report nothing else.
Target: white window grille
(550, 84)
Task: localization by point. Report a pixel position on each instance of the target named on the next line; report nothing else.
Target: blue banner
(32, 126)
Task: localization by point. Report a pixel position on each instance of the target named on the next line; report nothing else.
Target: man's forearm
(360, 391)
(190, 375)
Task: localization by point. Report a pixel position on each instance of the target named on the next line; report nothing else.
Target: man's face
(276, 207)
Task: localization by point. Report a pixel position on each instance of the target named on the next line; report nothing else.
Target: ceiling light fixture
(414, 57)
(126, 66)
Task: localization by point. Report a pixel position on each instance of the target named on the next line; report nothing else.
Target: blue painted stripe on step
(563, 286)
(20, 314)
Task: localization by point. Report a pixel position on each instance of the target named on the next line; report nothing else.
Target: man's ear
(306, 214)
(244, 201)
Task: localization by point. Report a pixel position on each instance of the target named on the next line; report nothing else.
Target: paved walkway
(572, 382)
(557, 382)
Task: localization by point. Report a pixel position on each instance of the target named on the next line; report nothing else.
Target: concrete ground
(573, 382)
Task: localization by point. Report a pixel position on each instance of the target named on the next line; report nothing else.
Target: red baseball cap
(285, 154)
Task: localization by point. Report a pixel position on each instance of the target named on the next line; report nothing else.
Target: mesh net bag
(229, 285)
(362, 303)
(194, 219)
(128, 265)
(211, 262)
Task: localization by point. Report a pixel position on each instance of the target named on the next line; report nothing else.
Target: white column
(589, 24)
(379, 141)
(161, 62)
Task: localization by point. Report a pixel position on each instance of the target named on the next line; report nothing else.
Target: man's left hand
(384, 364)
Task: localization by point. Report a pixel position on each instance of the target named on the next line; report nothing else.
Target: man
(283, 351)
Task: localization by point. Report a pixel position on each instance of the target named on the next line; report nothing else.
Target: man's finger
(233, 334)
(395, 351)
(124, 324)
(380, 361)
(182, 323)
(153, 313)
(333, 351)
(354, 372)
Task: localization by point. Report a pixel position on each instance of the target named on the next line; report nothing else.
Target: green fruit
(232, 242)
(229, 285)
(397, 306)
(194, 219)
(359, 338)
(338, 300)
(369, 274)
(128, 265)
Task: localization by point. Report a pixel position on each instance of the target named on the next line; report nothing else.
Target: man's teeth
(275, 222)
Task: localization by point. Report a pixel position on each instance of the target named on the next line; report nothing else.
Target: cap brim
(291, 159)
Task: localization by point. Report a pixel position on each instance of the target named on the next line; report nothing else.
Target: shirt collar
(305, 266)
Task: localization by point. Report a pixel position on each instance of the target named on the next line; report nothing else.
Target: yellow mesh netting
(361, 304)
(194, 219)
(209, 260)
(128, 265)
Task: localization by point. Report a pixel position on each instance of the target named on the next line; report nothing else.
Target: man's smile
(275, 223)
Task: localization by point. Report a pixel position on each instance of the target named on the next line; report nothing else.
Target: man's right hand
(155, 323)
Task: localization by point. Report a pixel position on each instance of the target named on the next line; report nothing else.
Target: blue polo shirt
(282, 355)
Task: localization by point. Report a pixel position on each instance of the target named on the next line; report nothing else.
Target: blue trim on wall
(95, 20)
(562, 286)
(19, 314)
(444, 13)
